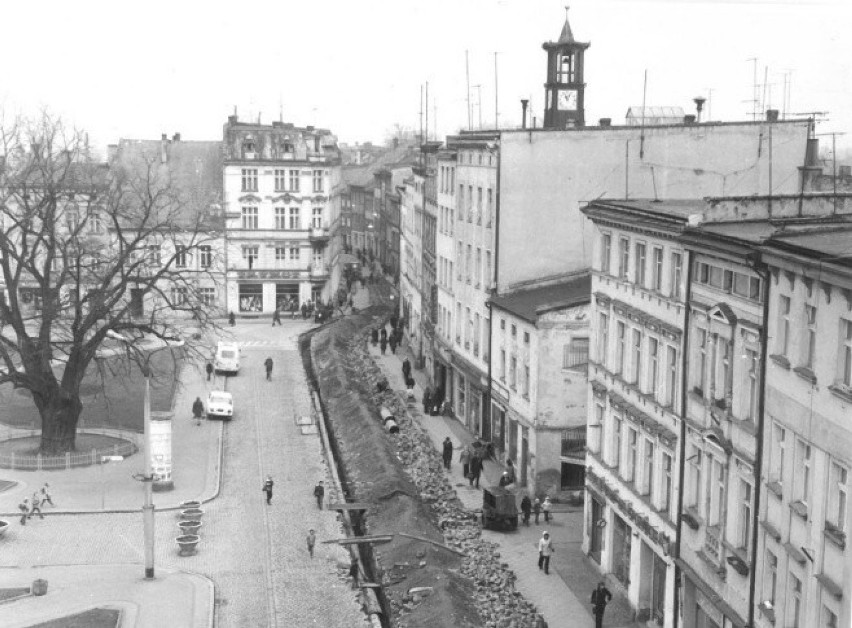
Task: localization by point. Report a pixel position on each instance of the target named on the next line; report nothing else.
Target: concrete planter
(191, 514)
(187, 544)
(189, 526)
(4, 525)
(190, 504)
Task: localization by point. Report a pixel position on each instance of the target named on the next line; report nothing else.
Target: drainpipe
(684, 365)
(496, 269)
(754, 261)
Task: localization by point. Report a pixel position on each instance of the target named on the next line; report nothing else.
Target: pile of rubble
(497, 602)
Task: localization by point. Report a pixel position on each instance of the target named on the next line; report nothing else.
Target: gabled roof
(530, 303)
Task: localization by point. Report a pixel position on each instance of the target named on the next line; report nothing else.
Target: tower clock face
(568, 100)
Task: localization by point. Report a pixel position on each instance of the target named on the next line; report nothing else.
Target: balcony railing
(318, 234)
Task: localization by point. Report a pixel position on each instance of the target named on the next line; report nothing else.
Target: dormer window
(249, 149)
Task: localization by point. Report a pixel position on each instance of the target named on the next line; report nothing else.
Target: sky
(358, 67)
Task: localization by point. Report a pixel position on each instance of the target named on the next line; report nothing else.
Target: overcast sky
(136, 70)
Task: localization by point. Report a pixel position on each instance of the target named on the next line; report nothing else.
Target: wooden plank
(370, 585)
(357, 540)
(350, 506)
(435, 543)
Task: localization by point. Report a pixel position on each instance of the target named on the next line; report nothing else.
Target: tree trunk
(59, 414)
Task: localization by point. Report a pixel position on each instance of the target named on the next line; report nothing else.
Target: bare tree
(76, 238)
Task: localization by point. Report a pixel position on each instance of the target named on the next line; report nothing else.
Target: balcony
(318, 234)
(318, 271)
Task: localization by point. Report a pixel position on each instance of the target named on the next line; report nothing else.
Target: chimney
(232, 119)
(524, 103)
(689, 119)
(176, 137)
(699, 105)
(164, 137)
(164, 141)
(812, 153)
(772, 115)
(605, 122)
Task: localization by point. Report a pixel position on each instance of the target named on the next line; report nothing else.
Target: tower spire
(566, 37)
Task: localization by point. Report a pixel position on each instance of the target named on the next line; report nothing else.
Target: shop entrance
(287, 296)
(251, 297)
(597, 528)
(621, 546)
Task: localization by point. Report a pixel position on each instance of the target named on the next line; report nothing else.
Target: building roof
(529, 303)
(654, 115)
(566, 36)
(400, 156)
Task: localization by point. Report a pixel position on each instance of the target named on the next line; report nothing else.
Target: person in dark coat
(526, 508)
(384, 333)
(374, 337)
(406, 368)
(319, 493)
(268, 365)
(267, 488)
(232, 320)
(427, 399)
(197, 410)
(276, 317)
(392, 343)
(510, 469)
(448, 452)
(393, 321)
(304, 310)
(437, 401)
(475, 470)
(209, 369)
(600, 598)
(383, 344)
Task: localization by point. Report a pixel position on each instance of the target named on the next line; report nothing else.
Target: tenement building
(277, 182)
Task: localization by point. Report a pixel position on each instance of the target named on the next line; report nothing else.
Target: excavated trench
(446, 576)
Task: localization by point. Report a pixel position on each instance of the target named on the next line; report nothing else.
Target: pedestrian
(437, 401)
(464, 458)
(267, 488)
(35, 505)
(209, 369)
(45, 495)
(600, 598)
(393, 321)
(24, 507)
(392, 343)
(384, 344)
(526, 508)
(384, 333)
(312, 540)
(448, 452)
(427, 399)
(536, 509)
(197, 410)
(353, 572)
(319, 493)
(268, 365)
(545, 551)
(475, 470)
(304, 310)
(232, 320)
(546, 509)
(374, 337)
(510, 469)
(406, 368)
(276, 317)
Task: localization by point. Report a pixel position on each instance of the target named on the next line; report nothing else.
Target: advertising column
(161, 450)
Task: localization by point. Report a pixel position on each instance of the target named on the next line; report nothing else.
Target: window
(293, 220)
(700, 361)
(514, 331)
(502, 365)
(653, 365)
(293, 185)
(615, 456)
(478, 265)
(294, 253)
(752, 392)
(179, 295)
(746, 286)
(783, 332)
(152, 254)
(317, 180)
(803, 471)
(468, 263)
(606, 252)
(467, 327)
(526, 337)
(280, 218)
(676, 288)
(479, 204)
(621, 330)
(623, 257)
(513, 367)
(525, 383)
(280, 180)
(249, 179)
(671, 377)
(487, 270)
(657, 269)
(249, 217)
(630, 466)
(647, 468)
(666, 485)
(476, 334)
(461, 201)
(280, 254)
(470, 203)
(794, 607)
(837, 493)
(777, 454)
(250, 255)
(639, 268)
(205, 256)
(488, 207)
(770, 577)
(844, 369)
(723, 388)
(575, 353)
(316, 221)
(206, 296)
(744, 519)
(693, 482)
(460, 259)
(636, 362)
(717, 491)
(829, 618)
(603, 338)
(810, 336)
(180, 256)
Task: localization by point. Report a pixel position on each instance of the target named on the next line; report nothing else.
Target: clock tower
(564, 97)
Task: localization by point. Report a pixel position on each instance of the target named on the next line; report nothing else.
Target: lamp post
(148, 480)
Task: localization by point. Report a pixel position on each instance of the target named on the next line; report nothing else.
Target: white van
(227, 358)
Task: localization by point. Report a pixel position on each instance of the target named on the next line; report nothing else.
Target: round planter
(189, 527)
(4, 525)
(191, 514)
(187, 543)
(190, 504)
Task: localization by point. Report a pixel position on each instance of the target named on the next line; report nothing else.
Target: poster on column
(161, 450)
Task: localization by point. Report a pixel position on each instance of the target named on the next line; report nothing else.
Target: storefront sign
(161, 450)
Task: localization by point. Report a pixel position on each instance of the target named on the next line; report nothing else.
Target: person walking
(232, 320)
(319, 493)
(383, 344)
(475, 469)
(268, 365)
(448, 453)
(24, 507)
(209, 369)
(545, 551)
(427, 399)
(406, 369)
(35, 505)
(197, 410)
(600, 598)
(392, 343)
(45, 495)
(545, 507)
(536, 509)
(276, 317)
(526, 508)
(312, 540)
(267, 488)
(464, 458)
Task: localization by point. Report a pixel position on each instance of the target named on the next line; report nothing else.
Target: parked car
(220, 404)
(227, 358)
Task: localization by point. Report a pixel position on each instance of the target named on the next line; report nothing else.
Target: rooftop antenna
(709, 91)
(642, 133)
(280, 109)
(754, 98)
(467, 78)
(496, 100)
(478, 89)
(765, 84)
(427, 112)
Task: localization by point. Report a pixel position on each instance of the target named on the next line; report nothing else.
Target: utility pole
(479, 103)
(148, 507)
(496, 99)
(467, 79)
